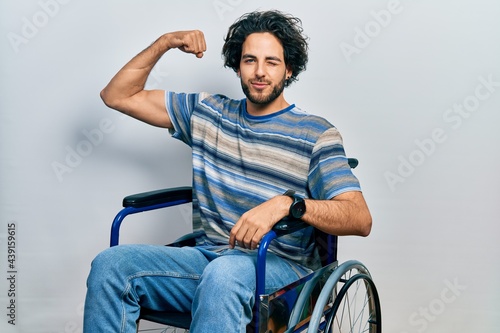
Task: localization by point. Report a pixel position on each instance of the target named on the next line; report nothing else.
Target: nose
(259, 70)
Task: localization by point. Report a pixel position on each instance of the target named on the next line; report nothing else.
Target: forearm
(131, 79)
(347, 214)
(125, 92)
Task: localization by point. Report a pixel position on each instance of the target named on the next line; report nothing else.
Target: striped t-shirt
(240, 161)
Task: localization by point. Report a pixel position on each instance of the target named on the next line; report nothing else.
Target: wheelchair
(334, 298)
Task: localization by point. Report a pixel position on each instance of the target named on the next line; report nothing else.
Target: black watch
(298, 206)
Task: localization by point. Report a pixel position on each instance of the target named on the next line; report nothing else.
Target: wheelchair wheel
(348, 302)
(356, 307)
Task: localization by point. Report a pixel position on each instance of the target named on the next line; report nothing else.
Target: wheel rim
(356, 307)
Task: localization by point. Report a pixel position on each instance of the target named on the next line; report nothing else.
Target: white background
(388, 74)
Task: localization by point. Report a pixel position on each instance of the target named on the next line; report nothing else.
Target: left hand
(255, 223)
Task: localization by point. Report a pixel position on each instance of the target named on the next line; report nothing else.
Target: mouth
(259, 85)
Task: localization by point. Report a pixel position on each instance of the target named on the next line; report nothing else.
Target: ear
(289, 72)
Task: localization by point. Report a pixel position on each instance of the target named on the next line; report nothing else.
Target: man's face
(262, 68)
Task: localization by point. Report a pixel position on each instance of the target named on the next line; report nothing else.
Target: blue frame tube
(261, 273)
(115, 226)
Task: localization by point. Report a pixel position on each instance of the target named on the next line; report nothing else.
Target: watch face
(298, 209)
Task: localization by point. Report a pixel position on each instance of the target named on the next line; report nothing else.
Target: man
(253, 160)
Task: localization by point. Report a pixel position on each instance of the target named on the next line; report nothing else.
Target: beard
(263, 99)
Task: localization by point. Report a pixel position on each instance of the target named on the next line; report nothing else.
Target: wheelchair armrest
(147, 201)
(288, 225)
(151, 198)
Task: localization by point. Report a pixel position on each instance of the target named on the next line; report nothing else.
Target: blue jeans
(217, 287)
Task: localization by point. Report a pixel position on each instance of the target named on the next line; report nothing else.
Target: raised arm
(125, 92)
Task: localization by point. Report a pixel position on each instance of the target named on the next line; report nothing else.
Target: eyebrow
(247, 56)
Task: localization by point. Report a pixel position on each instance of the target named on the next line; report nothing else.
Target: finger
(202, 47)
(232, 241)
(198, 43)
(241, 240)
(232, 235)
(248, 239)
(200, 38)
(244, 238)
(252, 238)
(257, 237)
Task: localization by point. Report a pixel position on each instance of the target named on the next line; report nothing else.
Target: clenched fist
(192, 41)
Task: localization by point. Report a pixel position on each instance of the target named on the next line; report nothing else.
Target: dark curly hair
(286, 28)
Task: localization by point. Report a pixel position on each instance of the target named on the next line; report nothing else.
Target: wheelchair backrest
(327, 247)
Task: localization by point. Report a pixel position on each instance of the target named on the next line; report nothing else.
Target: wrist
(165, 42)
(297, 207)
(285, 203)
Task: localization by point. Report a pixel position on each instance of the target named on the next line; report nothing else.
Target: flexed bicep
(147, 106)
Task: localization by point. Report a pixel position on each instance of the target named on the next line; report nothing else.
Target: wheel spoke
(356, 308)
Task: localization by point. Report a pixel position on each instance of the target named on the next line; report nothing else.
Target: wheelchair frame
(320, 287)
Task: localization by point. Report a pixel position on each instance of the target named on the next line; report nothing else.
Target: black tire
(356, 308)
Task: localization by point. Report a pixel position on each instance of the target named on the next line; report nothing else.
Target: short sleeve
(180, 107)
(329, 170)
